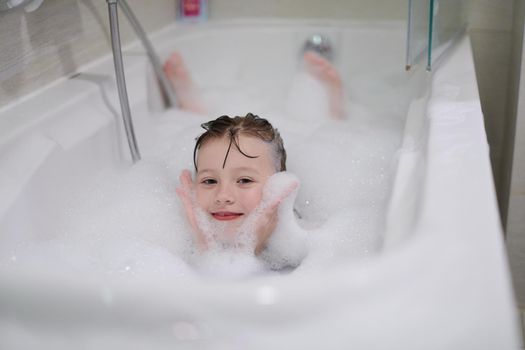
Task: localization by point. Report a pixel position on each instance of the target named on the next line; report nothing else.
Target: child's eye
(208, 181)
(245, 181)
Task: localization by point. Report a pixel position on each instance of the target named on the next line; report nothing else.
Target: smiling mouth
(226, 215)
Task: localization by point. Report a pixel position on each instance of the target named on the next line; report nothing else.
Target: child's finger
(185, 179)
(190, 215)
(289, 190)
(186, 203)
(267, 225)
(183, 196)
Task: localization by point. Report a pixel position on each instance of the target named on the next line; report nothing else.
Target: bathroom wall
(515, 138)
(334, 9)
(53, 41)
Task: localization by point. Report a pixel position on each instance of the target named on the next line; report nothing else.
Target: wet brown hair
(249, 125)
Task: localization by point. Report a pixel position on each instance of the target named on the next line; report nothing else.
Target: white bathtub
(439, 279)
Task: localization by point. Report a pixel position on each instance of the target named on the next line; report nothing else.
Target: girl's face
(232, 192)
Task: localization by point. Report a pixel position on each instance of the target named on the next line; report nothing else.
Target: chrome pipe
(121, 81)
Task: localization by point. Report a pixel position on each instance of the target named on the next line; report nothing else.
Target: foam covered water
(130, 223)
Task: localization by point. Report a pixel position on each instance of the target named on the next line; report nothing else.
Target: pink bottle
(193, 10)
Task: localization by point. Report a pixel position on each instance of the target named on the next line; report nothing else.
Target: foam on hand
(288, 245)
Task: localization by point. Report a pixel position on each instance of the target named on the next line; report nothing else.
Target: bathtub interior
(256, 66)
(269, 61)
(69, 159)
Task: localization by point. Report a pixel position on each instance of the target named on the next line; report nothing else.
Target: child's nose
(225, 194)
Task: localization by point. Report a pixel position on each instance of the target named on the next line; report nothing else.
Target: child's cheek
(253, 198)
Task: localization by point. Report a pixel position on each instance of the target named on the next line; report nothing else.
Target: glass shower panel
(448, 21)
(418, 30)
(432, 27)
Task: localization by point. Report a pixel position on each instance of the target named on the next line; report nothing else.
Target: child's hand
(186, 194)
(267, 221)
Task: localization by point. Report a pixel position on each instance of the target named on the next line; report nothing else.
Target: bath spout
(319, 44)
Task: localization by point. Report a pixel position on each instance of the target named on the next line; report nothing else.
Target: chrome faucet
(319, 44)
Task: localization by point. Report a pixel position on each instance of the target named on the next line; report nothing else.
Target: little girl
(234, 158)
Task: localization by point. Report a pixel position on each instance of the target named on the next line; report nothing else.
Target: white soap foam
(122, 224)
(308, 99)
(287, 246)
(130, 224)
